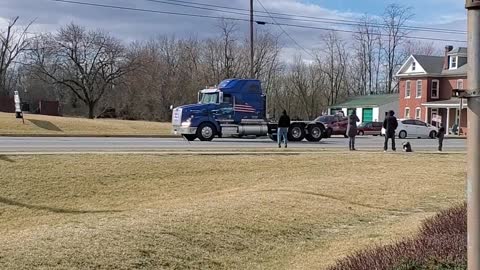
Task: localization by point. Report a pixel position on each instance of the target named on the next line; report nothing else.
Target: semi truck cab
(237, 107)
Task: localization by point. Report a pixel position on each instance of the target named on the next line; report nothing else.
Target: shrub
(441, 244)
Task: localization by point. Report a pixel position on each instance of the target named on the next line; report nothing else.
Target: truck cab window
(209, 98)
(227, 98)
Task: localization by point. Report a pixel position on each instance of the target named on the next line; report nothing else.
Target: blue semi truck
(236, 108)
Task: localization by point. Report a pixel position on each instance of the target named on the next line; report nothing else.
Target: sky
(49, 15)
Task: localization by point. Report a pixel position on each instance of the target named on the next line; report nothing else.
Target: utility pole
(473, 163)
(252, 73)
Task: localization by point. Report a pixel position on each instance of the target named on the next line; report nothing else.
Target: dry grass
(51, 125)
(214, 212)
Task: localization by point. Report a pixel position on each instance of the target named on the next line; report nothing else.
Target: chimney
(448, 49)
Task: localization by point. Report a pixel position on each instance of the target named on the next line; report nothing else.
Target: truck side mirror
(171, 107)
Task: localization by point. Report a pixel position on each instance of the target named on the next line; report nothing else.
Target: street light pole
(252, 75)
(473, 162)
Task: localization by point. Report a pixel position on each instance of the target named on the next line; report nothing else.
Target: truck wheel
(315, 133)
(206, 132)
(190, 137)
(273, 137)
(296, 133)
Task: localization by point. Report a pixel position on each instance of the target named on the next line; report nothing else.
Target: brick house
(426, 84)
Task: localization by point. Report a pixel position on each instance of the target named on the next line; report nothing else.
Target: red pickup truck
(334, 124)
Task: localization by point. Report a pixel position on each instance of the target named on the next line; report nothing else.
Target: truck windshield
(209, 98)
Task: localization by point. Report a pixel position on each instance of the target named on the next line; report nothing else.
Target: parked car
(411, 128)
(334, 124)
(370, 128)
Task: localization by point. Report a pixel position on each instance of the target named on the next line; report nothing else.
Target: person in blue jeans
(283, 125)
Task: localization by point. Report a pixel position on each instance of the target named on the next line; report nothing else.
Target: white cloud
(131, 25)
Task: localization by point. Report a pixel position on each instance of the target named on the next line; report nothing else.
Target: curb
(456, 138)
(90, 136)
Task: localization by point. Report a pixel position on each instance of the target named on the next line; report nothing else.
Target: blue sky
(425, 11)
(129, 25)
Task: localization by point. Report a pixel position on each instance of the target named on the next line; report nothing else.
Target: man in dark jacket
(390, 124)
(282, 131)
(352, 129)
(441, 135)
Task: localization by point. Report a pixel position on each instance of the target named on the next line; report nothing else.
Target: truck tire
(296, 133)
(315, 133)
(206, 132)
(273, 137)
(189, 137)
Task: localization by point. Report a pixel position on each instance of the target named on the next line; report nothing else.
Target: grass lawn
(52, 125)
(215, 212)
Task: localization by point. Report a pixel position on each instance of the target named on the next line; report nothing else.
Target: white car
(411, 128)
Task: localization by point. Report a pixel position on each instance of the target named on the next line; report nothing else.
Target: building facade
(370, 108)
(426, 86)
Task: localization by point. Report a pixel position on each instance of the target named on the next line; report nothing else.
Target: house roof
(449, 103)
(368, 101)
(431, 64)
(462, 70)
(458, 50)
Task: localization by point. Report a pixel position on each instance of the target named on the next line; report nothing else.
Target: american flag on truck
(245, 108)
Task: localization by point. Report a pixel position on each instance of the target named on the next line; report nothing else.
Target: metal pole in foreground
(473, 162)
(252, 75)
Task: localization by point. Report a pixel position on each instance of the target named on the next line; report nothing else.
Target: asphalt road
(64, 144)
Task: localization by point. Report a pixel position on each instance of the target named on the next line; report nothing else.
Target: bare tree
(13, 42)
(334, 65)
(87, 63)
(412, 47)
(395, 17)
(366, 40)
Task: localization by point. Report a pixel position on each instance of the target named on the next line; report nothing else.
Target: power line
(285, 32)
(309, 18)
(239, 19)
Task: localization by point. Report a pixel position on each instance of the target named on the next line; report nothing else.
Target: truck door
(225, 110)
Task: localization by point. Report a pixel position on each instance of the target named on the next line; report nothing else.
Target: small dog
(407, 147)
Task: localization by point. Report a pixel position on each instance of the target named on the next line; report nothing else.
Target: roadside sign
(437, 118)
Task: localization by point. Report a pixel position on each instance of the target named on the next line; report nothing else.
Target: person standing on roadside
(282, 131)
(441, 136)
(390, 124)
(352, 129)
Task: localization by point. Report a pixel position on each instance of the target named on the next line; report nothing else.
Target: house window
(460, 84)
(414, 64)
(453, 62)
(408, 89)
(419, 89)
(435, 88)
(407, 113)
(418, 113)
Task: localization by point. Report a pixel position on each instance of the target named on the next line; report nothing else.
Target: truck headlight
(186, 123)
